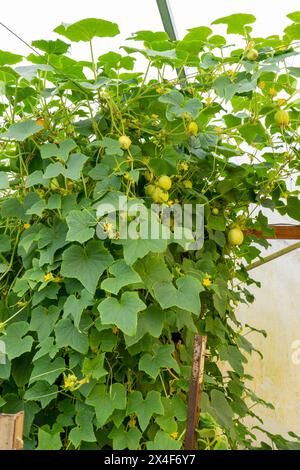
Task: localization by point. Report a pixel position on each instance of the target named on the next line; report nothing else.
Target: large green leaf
(51, 47)
(174, 410)
(293, 31)
(71, 170)
(162, 358)
(46, 370)
(163, 441)
(86, 30)
(21, 130)
(43, 320)
(13, 208)
(150, 321)
(294, 16)
(42, 392)
(7, 58)
(135, 249)
(5, 244)
(152, 269)
(84, 430)
(61, 151)
(80, 225)
(185, 296)
(74, 306)
(50, 240)
(219, 408)
(86, 263)
(123, 314)
(14, 340)
(293, 207)
(145, 408)
(68, 335)
(46, 347)
(106, 402)
(123, 276)
(94, 367)
(125, 439)
(236, 23)
(49, 439)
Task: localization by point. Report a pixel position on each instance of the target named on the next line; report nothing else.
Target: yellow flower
(84, 381)
(185, 166)
(146, 160)
(170, 202)
(40, 192)
(178, 269)
(127, 176)
(262, 85)
(207, 282)
(230, 72)
(132, 422)
(218, 130)
(281, 102)
(57, 279)
(209, 100)
(174, 435)
(108, 227)
(70, 382)
(250, 45)
(154, 116)
(48, 277)
(26, 226)
(272, 92)
(115, 330)
(160, 90)
(187, 184)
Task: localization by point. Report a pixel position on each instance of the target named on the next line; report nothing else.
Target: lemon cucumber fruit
(193, 128)
(282, 118)
(235, 236)
(165, 182)
(252, 54)
(125, 142)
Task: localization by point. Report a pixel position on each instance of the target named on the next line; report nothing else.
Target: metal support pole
(169, 27)
(167, 19)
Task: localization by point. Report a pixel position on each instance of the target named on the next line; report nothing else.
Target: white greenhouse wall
(277, 310)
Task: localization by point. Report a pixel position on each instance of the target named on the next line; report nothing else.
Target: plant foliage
(99, 333)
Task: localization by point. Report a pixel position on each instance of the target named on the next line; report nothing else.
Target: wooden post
(194, 404)
(11, 431)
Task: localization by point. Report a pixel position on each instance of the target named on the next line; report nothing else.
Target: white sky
(35, 19)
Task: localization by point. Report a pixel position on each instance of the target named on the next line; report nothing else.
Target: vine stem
(14, 315)
(273, 256)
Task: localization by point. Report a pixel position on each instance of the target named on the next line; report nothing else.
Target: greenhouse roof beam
(170, 28)
(167, 19)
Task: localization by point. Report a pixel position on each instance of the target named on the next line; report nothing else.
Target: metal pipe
(169, 27)
(167, 19)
